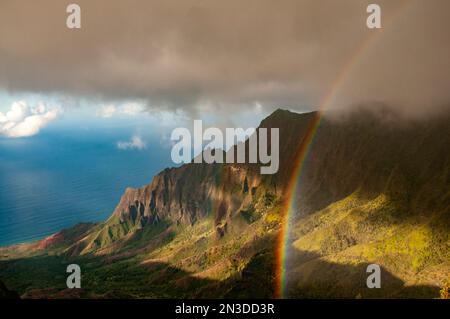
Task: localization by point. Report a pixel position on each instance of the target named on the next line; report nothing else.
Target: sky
(229, 62)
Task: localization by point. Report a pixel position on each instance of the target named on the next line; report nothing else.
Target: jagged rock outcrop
(186, 194)
(193, 191)
(358, 152)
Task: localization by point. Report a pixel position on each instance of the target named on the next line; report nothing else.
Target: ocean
(64, 176)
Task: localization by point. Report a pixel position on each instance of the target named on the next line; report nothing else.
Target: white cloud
(17, 112)
(23, 121)
(136, 143)
(130, 108)
(107, 111)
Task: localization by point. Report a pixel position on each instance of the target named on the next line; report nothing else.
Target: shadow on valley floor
(45, 277)
(312, 277)
(5, 293)
(309, 277)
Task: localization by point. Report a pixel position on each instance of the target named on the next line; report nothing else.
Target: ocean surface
(68, 175)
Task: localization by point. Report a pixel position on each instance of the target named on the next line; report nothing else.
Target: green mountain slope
(372, 191)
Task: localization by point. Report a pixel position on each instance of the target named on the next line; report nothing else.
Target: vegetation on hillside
(370, 192)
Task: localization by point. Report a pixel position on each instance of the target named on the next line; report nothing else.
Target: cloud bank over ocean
(203, 55)
(23, 121)
(136, 143)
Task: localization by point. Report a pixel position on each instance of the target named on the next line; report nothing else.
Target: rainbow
(289, 205)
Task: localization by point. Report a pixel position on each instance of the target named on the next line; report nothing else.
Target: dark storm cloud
(203, 54)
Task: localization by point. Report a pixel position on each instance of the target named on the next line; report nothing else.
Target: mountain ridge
(371, 191)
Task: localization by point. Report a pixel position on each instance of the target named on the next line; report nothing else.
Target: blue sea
(71, 173)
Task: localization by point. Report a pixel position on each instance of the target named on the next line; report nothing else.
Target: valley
(370, 191)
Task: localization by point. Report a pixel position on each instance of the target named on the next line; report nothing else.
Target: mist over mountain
(201, 55)
(372, 190)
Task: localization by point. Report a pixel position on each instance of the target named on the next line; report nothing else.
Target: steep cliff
(374, 188)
